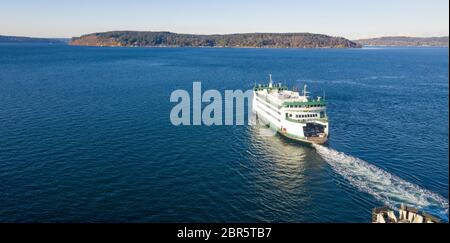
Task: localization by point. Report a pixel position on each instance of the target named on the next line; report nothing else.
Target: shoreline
(249, 47)
(215, 47)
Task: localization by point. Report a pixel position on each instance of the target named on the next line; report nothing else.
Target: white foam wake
(388, 188)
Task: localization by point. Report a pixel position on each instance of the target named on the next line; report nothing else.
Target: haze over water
(86, 136)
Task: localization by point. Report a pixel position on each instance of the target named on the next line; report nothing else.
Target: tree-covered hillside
(256, 40)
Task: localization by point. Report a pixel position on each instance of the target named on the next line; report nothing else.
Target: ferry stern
(292, 114)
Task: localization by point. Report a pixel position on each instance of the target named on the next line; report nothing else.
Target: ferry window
(290, 115)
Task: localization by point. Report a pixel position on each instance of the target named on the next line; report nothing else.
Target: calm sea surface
(85, 136)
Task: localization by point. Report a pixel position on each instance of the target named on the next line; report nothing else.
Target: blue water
(85, 136)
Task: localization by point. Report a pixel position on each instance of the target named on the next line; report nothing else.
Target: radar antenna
(270, 81)
(305, 93)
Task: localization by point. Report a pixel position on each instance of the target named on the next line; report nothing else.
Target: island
(405, 41)
(253, 40)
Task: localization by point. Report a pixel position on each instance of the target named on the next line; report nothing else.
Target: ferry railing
(307, 120)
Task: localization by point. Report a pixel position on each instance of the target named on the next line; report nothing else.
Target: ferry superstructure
(293, 115)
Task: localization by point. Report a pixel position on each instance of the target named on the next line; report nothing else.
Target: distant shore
(23, 39)
(404, 41)
(253, 40)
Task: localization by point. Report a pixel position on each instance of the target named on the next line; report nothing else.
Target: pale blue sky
(348, 18)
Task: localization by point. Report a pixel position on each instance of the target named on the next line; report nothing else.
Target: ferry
(386, 215)
(292, 114)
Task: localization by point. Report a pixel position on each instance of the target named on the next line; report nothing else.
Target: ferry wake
(291, 114)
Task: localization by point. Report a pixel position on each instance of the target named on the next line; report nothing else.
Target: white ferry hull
(277, 128)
